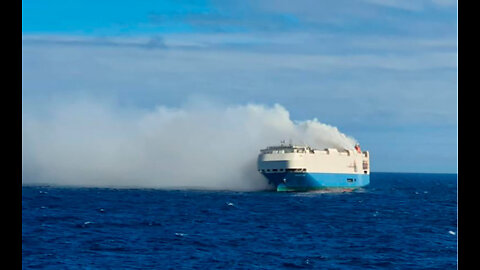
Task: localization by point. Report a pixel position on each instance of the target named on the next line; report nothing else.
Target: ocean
(399, 221)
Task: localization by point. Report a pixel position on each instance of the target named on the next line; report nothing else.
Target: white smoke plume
(194, 146)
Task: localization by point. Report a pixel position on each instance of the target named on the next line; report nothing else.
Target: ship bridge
(283, 149)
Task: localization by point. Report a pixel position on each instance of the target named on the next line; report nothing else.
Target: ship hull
(294, 181)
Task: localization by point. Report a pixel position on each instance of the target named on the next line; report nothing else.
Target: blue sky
(384, 72)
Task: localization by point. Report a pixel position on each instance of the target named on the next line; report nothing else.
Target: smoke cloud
(195, 146)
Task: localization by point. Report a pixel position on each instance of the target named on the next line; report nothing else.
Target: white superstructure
(294, 158)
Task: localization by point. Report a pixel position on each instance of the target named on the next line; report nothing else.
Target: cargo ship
(303, 168)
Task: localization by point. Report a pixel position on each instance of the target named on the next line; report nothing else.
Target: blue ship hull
(297, 181)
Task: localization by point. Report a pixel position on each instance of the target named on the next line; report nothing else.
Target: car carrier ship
(302, 168)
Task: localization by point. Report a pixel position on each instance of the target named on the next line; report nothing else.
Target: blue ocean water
(399, 221)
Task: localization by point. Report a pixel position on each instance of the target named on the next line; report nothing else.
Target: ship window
(351, 180)
(296, 170)
(274, 170)
(365, 165)
(268, 170)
